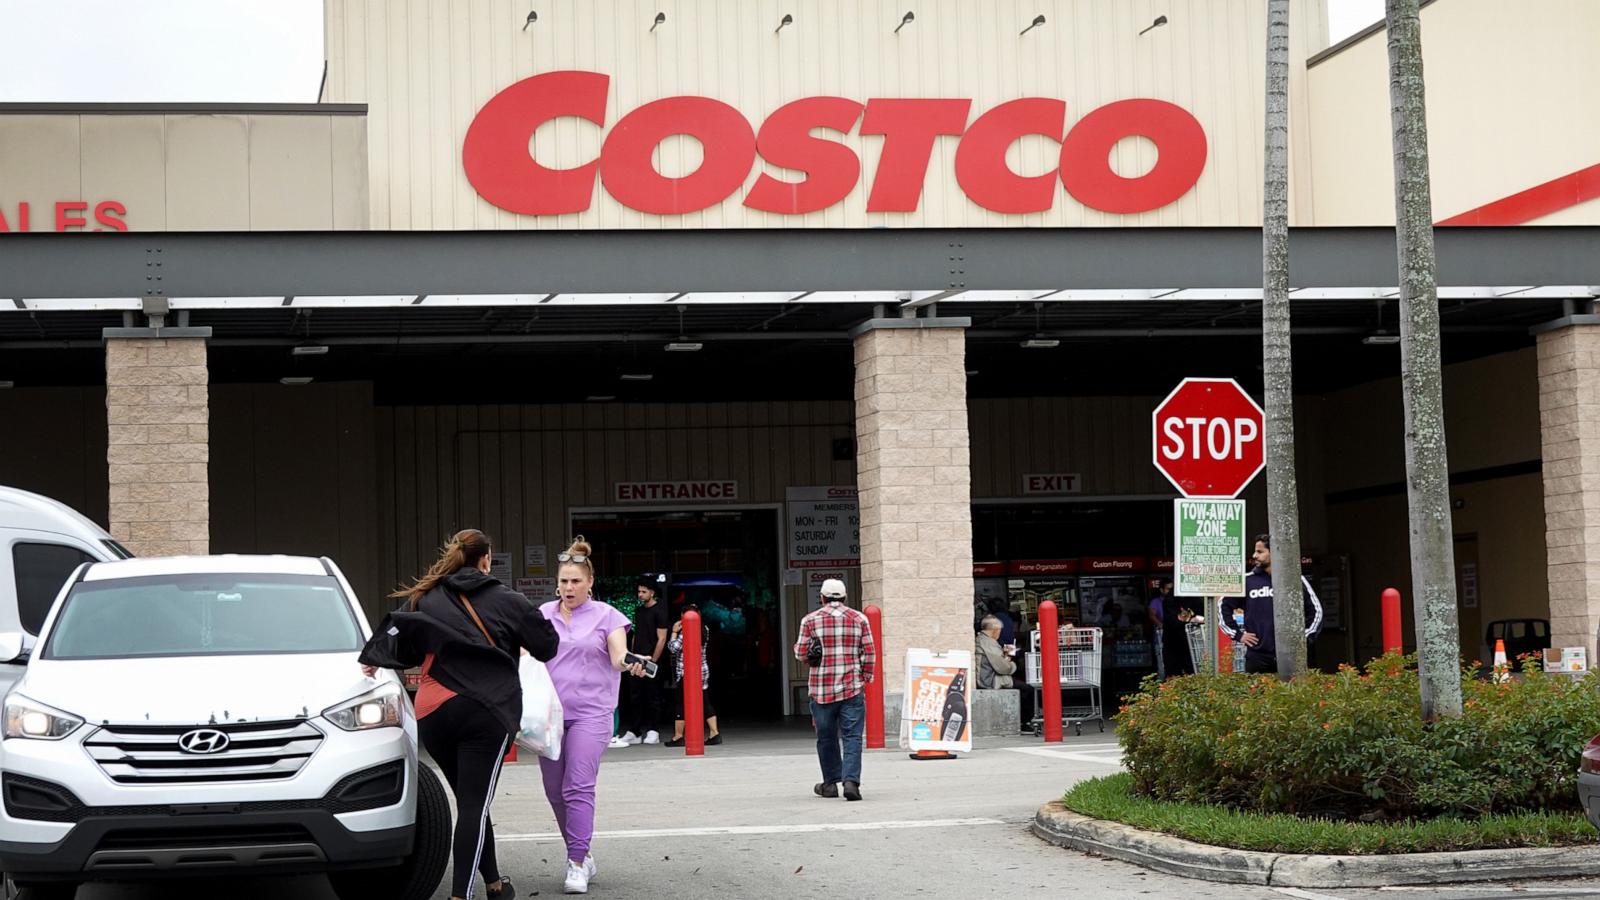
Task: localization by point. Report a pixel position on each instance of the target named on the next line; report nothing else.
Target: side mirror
(12, 648)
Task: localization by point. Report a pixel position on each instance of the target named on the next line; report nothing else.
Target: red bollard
(1224, 653)
(1050, 671)
(694, 700)
(1391, 621)
(875, 686)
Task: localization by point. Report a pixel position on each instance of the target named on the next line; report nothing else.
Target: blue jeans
(845, 722)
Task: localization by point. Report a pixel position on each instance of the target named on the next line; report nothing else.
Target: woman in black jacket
(466, 630)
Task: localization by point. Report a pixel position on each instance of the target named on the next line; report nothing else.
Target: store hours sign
(824, 527)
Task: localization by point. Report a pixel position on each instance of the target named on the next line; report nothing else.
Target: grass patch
(1110, 798)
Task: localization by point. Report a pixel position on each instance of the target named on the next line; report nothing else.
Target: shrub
(1352, 744)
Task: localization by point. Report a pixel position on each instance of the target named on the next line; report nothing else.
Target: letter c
(496, 155)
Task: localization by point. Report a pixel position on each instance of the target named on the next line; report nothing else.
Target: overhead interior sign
(1211, 548)
(824, 527)
(499, 165)
(675, 491)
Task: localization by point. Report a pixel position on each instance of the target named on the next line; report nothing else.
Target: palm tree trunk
(1283, 506)
(1433, 583)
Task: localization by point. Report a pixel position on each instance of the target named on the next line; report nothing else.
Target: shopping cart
(1080, 672)
(1200, 650)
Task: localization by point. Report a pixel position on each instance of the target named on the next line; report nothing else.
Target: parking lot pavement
(742, 822)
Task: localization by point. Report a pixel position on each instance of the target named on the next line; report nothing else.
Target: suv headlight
(374, 709)
(30, 720)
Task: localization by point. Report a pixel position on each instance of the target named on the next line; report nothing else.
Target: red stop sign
(1209, 438)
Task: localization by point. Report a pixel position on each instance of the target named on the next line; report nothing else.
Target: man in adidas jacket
(1256, 634)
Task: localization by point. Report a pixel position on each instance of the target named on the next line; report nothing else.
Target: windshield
(203, 615)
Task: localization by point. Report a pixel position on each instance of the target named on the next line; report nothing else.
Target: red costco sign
(1209, 438)
(501, 167)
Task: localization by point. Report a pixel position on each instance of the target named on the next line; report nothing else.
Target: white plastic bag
(541, 710)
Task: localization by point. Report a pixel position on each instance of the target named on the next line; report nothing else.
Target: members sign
(1211, 548)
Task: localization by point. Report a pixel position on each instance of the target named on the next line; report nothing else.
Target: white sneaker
(631, 738)
(588, 867)
(652, 737)
(577, 878)
(618, 743)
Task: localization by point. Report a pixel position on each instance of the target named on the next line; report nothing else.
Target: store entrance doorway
(724, 561)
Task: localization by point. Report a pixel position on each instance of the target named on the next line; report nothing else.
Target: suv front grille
(150, 754)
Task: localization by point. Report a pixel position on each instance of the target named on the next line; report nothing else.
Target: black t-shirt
(646, 619)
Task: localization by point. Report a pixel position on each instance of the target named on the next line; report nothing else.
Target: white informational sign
(500, 566)
(824, 527)
(814, 580)
(539, 590)
(1210, 541)
(1469, 585)
(936, 711)
(535, 560)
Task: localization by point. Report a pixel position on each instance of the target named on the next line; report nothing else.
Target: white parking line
(1533, 889)
(760, 829)
(1306, 895)
(1106, 756)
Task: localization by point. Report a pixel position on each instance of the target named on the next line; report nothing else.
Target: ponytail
(465, 549)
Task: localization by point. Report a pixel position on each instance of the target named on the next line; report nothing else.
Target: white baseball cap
(833, 587)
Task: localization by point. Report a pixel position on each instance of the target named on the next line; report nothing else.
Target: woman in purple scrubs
(585, 670)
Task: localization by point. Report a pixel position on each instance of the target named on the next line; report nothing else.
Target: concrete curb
(1176, 856)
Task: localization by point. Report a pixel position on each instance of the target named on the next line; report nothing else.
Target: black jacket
(1258, 618)
(463, 661)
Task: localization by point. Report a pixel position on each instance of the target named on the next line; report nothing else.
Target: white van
(41, 543)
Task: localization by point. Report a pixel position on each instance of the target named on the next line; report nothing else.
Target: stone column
(914, 477)
(1569, 431)
(158, 410)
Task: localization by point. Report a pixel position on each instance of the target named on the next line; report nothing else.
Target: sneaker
(852, 790)
(617, 743)
(652, 737)
(826, 789)
(577, 878)
(588, 867)
(631, 738)
(508, 891)
(714, 740)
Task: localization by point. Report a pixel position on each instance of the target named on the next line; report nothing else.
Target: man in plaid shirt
(837, 643)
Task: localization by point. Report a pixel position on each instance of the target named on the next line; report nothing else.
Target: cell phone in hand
(649, 664)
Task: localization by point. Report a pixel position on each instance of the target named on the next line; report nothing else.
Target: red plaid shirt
(849, 659)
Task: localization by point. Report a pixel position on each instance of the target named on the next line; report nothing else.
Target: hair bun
(580, 546)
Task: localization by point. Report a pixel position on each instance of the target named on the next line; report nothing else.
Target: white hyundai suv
(207, 714)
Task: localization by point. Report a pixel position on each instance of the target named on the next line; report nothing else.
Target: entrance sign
(1211, 548)
(500, 166)
(678, 491)
(1209, 438)
(935, 712)
(824, 527)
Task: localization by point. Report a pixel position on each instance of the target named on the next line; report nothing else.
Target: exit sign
(1067, 483)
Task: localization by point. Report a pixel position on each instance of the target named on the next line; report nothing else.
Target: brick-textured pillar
(915, 480)
(1569, 433)
(158, 411)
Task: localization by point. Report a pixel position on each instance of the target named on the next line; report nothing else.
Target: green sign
(1210, 561)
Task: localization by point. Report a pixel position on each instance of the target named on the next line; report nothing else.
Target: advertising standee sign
(935, 714)
(1210, 539)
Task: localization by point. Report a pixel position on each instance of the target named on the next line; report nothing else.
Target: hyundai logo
(203, 740)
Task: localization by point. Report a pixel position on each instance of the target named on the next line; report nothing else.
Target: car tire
(419, 876)
(45, 890)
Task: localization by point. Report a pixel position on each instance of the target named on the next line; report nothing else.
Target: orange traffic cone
(1502, 669)
(933, 754)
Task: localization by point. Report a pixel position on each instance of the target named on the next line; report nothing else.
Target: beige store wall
(244, 171)
(1509, 107)
(425, 68)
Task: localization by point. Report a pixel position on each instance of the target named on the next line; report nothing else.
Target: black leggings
(644, 716)
(469, 745)
(709, 711)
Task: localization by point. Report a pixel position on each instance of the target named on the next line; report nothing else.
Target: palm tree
(1433, 583)
(1283, 506)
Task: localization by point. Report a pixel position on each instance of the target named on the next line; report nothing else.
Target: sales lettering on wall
(824, 527)
(1211, 548)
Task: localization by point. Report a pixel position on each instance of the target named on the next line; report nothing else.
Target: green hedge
(1352, 744)
(1110, 798)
